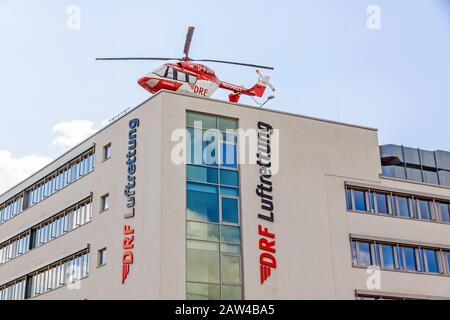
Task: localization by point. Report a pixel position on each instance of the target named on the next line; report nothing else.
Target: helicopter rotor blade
(187, 44)
(143, 58)
(235, 63)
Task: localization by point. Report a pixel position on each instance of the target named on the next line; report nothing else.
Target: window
(170, 73)
(409, 256)
(181, 76)
(161, 71)
(424, 209)
(104, 205)
(101, 257)
(363, 254)
(203, 262)
(202, 202)
(381, 201)
(447, 261)
(397, 205)
(230, 210)
(44, 188)
(431, 259)
(107, 152)
(212, 210)
(394, 256)
(360, 200)
(47, 230)
(192, 79)
(444, 209)
(388, 260)
(70, 269)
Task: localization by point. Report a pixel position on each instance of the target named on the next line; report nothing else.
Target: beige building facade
(118, 217)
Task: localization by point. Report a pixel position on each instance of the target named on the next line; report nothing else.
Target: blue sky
(327, 63)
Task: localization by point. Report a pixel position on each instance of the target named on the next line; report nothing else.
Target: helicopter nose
(148, 83)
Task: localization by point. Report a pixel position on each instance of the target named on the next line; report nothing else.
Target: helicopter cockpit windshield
(161, 71)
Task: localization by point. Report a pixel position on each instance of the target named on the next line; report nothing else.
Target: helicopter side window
(170, 73)
(192, 79)
(181, 76)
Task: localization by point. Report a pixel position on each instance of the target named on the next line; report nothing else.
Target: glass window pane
(360, 200)
(202, 291)
(229, 178)
(403, 206)
(225, 191)
(227, 124)
(230, 234)
(202, 174)
(432, 262)
(203, 262)
(202, 147)
(206, 122)
(230, 210)
(388, 256)
(230, 248)
(445, 212)
(202, 231)
(410, 259)
(231, 269)
(382, 206)
(425, 210)
(229, 155)
(231, 293)
(364, 258)
(202, 202)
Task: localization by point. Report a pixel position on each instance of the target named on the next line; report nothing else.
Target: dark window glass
(230, 210)
(388, 256)
(202, 202)
(410, 259)
(403, 206)
(382, 206)
(202, 174)
(425, 209)
(419, 255)
(229, 178)
(432, 261)
(445, 212)
(360, 200)
(364, 258)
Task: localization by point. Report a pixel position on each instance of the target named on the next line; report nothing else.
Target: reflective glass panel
(203, 262)
(202, 291)
(202, 202)
(202, 231)
(230, 210)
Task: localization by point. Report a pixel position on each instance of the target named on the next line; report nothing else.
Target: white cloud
(68, 134)
(13, 170)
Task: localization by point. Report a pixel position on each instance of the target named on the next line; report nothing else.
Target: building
(120, 217)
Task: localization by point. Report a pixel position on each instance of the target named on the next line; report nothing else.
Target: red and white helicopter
(194, 78)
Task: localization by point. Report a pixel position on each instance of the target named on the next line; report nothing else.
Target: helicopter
(189, 77)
